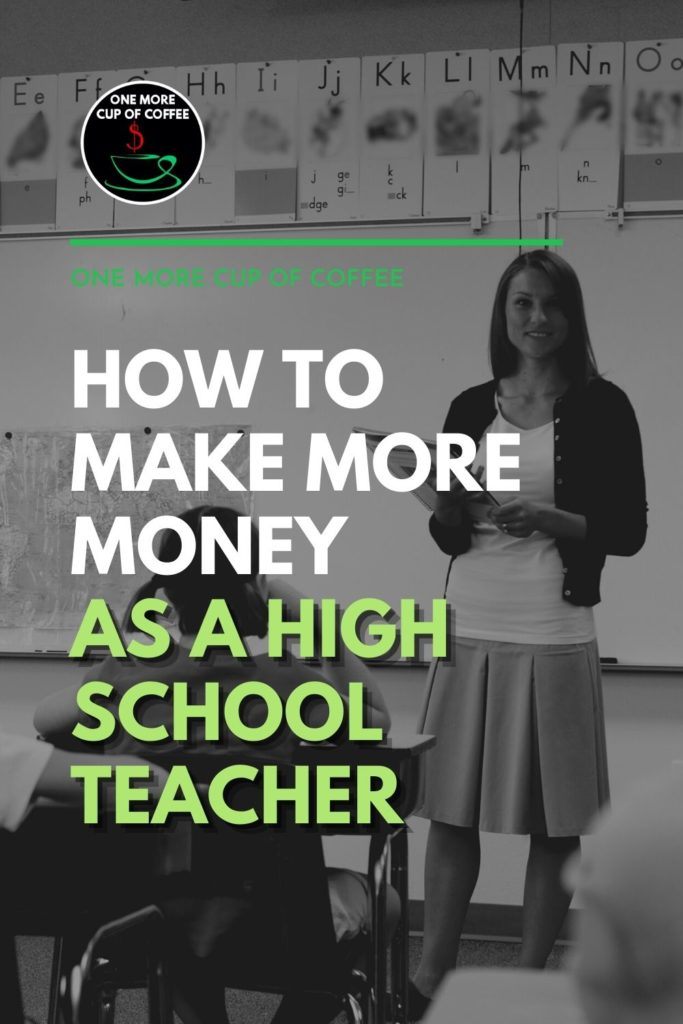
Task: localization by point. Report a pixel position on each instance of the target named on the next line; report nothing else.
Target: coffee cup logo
(142, 142)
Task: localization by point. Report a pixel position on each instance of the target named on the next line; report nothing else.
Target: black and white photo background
(427, 330)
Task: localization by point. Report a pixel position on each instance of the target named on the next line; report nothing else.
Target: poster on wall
(266, 143)
(329, 110)
(126, 216)
(456, 168)
(524, 142)
(81, 205)
(210, 198)
(392, 114)
(28, 153)
(589, 97)
(653, 150)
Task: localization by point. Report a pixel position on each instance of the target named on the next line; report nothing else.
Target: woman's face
(536, 325)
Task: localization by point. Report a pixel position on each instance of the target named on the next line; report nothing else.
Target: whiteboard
(41, 601)
(430, 337)
(632, 279)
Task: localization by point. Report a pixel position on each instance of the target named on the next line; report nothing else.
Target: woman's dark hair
(576, 356)
(190, 590)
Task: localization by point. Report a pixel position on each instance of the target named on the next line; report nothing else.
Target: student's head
(191, 590)
(629, 957)
(538, 312)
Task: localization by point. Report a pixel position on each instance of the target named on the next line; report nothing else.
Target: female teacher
(518, 712)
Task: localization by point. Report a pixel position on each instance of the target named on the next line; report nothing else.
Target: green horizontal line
(211, 242)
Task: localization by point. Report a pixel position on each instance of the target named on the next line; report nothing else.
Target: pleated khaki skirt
(520, 738)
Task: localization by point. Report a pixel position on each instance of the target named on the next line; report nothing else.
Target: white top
(510, 588)
(21, 764)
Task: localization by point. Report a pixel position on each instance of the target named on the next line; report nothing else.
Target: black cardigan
(598, 474)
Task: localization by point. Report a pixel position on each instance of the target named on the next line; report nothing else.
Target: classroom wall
(36, 37)
(430, 339)
(644, 712)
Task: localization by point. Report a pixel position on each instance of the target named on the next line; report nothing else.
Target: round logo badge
(142, 142)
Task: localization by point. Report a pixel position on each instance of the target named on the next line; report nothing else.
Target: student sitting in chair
(30, 770)
(190, 591)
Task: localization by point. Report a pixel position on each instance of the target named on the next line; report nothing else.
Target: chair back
(286, 936)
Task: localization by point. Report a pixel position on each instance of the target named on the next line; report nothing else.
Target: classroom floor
(244, 1008)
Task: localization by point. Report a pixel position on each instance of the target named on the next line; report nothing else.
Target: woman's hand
(450, 505)
(518, 517)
